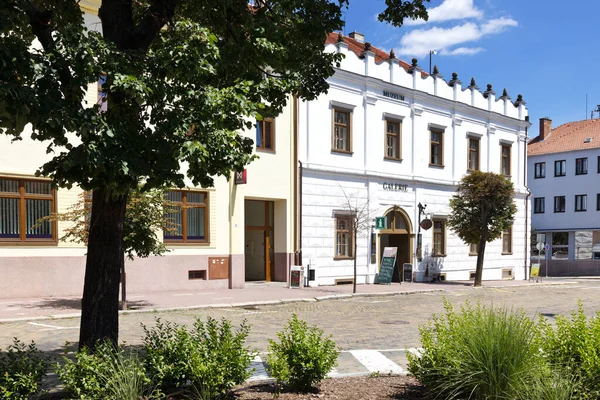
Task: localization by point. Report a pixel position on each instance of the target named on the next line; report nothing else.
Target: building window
(473, 161)
(581, 202)
(473, 249)
(342, 133)
(505, 164)
(559, 204)
(439, 238)
(560, 245)
(392, 140)
(581, 166)
(265, 134)
(22, 204)
(437, 147)
(540, 170)
(188, 215)
(598, 202)
(560, 168)
(507, 241)
(539, 206)
(343, 237)
(599, 164)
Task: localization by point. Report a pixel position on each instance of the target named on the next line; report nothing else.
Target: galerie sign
(395, 187)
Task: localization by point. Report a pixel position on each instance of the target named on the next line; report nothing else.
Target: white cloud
(462, 51)
(420, 41)
(449, 10)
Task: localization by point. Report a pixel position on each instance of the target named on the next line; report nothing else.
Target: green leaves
(483, 205)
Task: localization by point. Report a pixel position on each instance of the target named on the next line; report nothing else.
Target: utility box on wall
(218, 268)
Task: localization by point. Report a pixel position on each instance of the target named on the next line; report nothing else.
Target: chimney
(545, 128)
(359, 37)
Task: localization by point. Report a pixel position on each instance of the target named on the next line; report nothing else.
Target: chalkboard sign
(296, 276)
(386, 269)
(407, 272)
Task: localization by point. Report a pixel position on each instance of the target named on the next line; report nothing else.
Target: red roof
(568, 137)
(358, 47)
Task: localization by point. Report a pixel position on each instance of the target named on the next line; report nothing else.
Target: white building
(563, 171)
(391, 136)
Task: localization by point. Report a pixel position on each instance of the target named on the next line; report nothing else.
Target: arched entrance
(398, 233)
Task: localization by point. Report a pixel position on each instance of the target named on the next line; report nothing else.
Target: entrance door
(398, 233)
(259, 247)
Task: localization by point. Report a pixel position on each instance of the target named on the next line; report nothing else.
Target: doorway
(259, 240)
(397, 233)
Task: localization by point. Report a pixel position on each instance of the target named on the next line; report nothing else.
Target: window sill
(386, 158)
(473, 254)
(558, 212)
(580, 210)
(507, 254)
(177, 244)
(539, 177)
(438, 255)
(41, 243)
(539, 212)
(559, 176)
(261, 150)
(436, 165)
(342, 151)
(473, 170)
(338, 258)
(583, 173)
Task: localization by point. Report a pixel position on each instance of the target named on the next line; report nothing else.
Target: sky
(545, 50)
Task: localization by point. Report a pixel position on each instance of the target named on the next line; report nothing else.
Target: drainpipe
(526, 203)
(297, 188)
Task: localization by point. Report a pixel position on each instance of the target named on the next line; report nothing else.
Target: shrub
(211, 357)
(302, 357)
(22, 368)
(573, 348)
(478, 353)
(108, 373)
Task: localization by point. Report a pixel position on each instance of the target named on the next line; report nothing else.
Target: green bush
(108, 373)
(211, 356)
(478, 353)
(573, 348)
(302, 357)
(22, 368)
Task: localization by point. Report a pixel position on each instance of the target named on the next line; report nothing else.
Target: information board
(296, 276)
(386, 269)
(407, 272)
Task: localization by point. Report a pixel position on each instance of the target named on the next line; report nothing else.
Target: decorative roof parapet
(473, 85)
(392, 55)
(489, 91)
(519, 101)
(505, 95)
(414, 66)
(454, 81)
(436, 72)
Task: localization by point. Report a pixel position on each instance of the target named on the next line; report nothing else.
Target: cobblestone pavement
(381, 323)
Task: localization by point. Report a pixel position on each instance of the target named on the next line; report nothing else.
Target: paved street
(383, 324)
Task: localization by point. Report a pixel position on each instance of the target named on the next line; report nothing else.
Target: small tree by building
(482, 209)
(359, 220)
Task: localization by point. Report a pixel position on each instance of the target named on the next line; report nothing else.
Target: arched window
(395, 221)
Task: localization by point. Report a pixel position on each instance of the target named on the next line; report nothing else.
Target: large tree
(180, 79)
(482, 208)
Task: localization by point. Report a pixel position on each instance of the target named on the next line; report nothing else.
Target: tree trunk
(480, 254)
(105, 257)
(123, 287)
(354, 250)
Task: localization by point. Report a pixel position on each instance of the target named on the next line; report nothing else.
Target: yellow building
(237, 232)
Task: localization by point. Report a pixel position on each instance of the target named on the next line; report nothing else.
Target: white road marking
(374, 361)
(52, 327)
(260, 372)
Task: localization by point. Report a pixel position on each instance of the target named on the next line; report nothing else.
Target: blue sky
(544, 49)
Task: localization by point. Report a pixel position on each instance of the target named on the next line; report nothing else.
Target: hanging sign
(240, 177)
(426, 224)
(379, 222)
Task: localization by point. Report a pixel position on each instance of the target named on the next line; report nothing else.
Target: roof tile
(567, 137)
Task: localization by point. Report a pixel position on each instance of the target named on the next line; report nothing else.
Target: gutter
(297, 189)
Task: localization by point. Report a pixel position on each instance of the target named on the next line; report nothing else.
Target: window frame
(509, 249)
(564, 207)
(563, 169)
(439, 143)
(22, 196)
(473, 249)
(398, 136)
(184, 207)
(541, 201)
(348, 126)
(442, 241)
(507, 158)
(581, 166)
(542, 170)
(476, 151)
(260, 126)
(349, 231)
(599, 164)
(580, 202)
(598, 202)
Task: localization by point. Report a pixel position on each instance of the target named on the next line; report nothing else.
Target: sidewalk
(252, 294)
